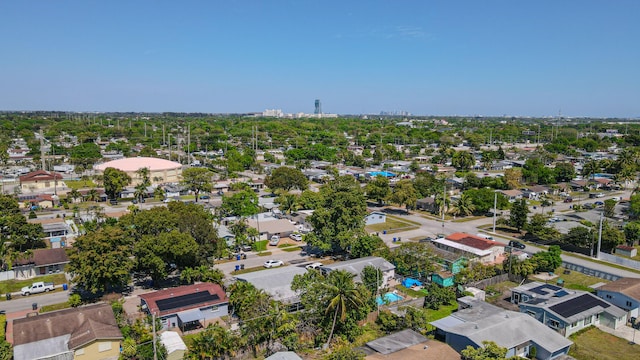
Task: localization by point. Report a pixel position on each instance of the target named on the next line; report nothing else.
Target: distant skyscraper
(318, 107)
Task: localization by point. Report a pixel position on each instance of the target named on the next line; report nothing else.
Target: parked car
(568, 200)
(275, 239)
(516, 244)
(315, 265)
(273, 263)
(600, 195)
(205, 197)
(599, 203)
(296, 237)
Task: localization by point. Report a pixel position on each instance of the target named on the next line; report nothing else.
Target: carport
(189, 318)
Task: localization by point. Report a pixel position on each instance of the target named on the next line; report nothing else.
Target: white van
(485, 236)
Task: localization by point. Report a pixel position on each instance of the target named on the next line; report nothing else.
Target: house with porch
(41, 262)
(186, 306)
(623, 293)
(566, 311)
(512, 195)
(38, 181)
(86, 332)
(473, 248)
(477, 321)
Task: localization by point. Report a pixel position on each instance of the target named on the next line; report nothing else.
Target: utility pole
(495, 209)
(599, 236)
(153, 325)
(444, 199)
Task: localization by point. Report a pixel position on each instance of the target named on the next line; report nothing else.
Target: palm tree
(93, 195)
(590, 169)
(342, 296)
(143, 174)
(288, 202)
(140, 192)
(74, 194)
(215, 342)
(159, 193)
(464, 206)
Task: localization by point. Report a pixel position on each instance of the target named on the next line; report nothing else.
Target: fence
(590, 272)
(482, 284)
(7, 275)
(620, 260)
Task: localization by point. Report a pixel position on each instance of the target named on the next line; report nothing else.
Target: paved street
(19, 302)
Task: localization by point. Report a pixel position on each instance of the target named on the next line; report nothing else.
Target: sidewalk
(624, 332)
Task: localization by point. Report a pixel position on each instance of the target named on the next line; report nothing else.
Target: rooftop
(183, 298)
(627, 286)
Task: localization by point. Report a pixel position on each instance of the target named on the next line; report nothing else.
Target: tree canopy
(286, 178)
(115, 181)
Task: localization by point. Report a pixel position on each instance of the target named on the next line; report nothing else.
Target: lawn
(577, 280)
(54, 307)
(252, 269)
(264, 253)
(442, 312)
(291, 248)
(392, 224)
(594, 344)
(260, 245)
(412, 293)
(79, 184)
(17, 285)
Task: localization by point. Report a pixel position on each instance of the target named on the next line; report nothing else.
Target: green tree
(115, 181)
(378, 189)
(590, 169)
(462, 160)
(366, 245)
(412, 259)
(632, 232)
(548, 260)
(488, 351)
(342, 295)
(242, 203)
(288, 202)
(215, 342)
(197, 179)
(345, 351)
(286, 178)
(310, 200)
(579, 236)
(93, 195)
(519, 212)
(464, 206)
(101, 260)
(609, 207)
(404, 194)
(564, 172)
(155, 254)
(483, 200)
(85, 154)
(372, 278)
(537, 226)
(513, 178)
(438, 295)
(339, 220)
(74, 194)
(16, 234)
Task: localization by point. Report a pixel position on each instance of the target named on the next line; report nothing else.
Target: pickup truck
(37, 287)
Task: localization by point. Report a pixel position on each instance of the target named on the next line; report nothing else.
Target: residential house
(472, 247)
(186, 306)
(277, 283)
(566, 311)
(88, 332)
(35, 201)
(40, 180)
(57, 231)
(375, 217)
(41, 262)
(450, 264)
(477, 321)
(408, 344)
(268, 224)
(512, 195)
(623, 293)
(355, 267)
(427, 204)
(579, 184)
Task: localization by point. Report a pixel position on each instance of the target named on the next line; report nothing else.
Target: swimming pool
(388, 298)
(601, 175)
(382, 173)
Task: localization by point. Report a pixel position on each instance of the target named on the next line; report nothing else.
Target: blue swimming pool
(388, 298)
(600, 175)
(382, 173)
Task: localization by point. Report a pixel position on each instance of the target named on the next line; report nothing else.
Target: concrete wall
(92, 351)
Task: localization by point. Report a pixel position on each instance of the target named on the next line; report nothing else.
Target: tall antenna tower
(318, 109)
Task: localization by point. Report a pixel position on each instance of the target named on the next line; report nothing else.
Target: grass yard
(291, 248)
(393, 224)
(252, 269)
(264, 253)
(410, 292)
(577, 280)
(260, 245)
(80, 184)
(442, 312)
(54, 307)
(17, 285)
(594, 344)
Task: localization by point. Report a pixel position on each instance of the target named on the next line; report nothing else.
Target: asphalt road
(19, 302)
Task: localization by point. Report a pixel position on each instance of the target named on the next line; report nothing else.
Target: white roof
(465, 248)
(172, 341)
(137, 163)
(275, 282)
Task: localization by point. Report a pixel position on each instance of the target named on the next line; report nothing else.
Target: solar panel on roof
(545, 289)
(186, 300)
(561, 293)
(577, 305)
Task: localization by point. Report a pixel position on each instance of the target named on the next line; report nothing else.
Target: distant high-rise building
(318, 107)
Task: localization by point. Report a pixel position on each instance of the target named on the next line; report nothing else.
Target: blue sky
(580, 57)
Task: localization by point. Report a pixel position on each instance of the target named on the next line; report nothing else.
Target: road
(253, 260)
(431, 227)
(20, 302)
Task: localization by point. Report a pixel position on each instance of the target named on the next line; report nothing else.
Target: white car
(275, 239)
(315, 265)
(273, 263)
(296, 237)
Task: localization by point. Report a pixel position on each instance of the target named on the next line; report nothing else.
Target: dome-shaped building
(160, 170)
